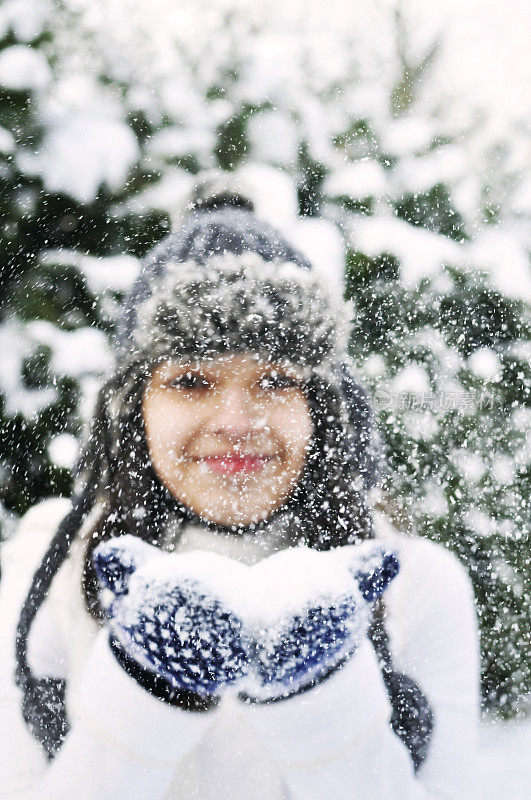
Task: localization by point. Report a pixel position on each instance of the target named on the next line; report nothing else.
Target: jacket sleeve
(21, 760)
(122, 740)
(336, 740)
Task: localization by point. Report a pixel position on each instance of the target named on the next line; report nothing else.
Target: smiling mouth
(232, 463)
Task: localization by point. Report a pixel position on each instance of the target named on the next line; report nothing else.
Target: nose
(235, 415)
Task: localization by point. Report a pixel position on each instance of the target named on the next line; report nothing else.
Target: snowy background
(395, 134)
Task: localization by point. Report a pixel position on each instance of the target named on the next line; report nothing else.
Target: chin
(241, 516)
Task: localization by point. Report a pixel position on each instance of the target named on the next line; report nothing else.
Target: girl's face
(227, 436)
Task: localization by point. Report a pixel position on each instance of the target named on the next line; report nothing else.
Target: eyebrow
(210, 367)
(207, 364)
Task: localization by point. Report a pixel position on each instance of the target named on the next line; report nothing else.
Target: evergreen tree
(58, 207)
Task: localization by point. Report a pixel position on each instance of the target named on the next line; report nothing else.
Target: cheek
(167, 428)
(293, 424)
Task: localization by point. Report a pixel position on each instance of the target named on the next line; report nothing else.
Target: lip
(231, 463)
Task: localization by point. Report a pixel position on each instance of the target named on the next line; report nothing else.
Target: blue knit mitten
(316, 617)
(170, 614)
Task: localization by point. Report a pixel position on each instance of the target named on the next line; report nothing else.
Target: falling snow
(372, 150)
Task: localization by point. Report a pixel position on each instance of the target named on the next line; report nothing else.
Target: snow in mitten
(171, 613)
(319, 608)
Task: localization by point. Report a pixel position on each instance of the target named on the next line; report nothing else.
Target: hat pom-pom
(218, 189)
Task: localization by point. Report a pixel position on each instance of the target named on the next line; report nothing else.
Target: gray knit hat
(229, 282)
(237, 303)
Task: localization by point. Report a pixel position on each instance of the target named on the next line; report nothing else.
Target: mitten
(322, 610)
(171, 613)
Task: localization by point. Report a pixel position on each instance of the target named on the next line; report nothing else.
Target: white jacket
(332, 741)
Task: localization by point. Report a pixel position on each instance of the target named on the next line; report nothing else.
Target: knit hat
(236, 303)
(227, 281)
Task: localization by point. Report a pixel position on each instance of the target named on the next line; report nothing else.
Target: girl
(226, 475)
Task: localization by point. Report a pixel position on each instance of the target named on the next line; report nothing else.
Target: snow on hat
(237, 303)
(227, 281)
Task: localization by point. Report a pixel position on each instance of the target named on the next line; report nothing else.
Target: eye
(190, 381)
(276, 381)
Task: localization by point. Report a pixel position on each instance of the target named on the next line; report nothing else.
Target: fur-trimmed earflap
(237, 303)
